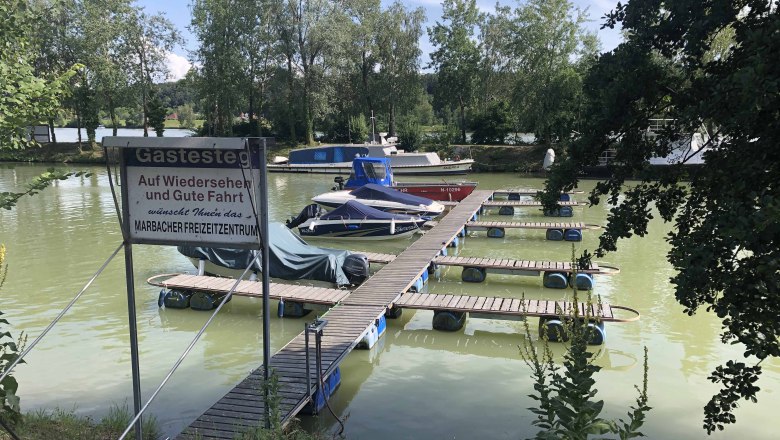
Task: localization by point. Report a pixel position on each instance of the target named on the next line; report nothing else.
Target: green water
(417, 382)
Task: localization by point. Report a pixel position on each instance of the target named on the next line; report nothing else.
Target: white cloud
(178, 66)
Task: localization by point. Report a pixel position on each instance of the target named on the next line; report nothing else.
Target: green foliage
(410, 136)
(566, 395)
(538, 53)
(493, 125)
(456, 58)
(186, 116)
(678, 62)
(9, 351)
(443, 136)
(61, 424)
(358, 129)
(156, 113)
(26, 97)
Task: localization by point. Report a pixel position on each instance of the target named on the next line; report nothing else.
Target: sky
(178, 12)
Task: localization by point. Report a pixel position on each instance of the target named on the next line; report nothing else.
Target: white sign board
(184, 195)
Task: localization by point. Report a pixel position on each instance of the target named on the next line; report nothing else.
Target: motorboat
(337, 159)
(382, 198)
(356, 221)
(290, 258)
(378, 170)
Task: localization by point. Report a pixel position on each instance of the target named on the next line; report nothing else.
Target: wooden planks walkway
(288, 292)
(482, 225)
(509, 306)
(242, 407)
(524, 203)
(497, 263)
(514, 203)
(522, 265)
(525, 192)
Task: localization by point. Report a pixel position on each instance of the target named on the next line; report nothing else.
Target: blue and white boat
(382, 198)
(337, 159)
(356, 221)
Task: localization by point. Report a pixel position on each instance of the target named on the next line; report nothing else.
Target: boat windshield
(374, 171)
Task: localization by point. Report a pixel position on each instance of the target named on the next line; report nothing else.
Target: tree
(725, 245)
(148, 38)
(186, 116)
(399, 52)
(221, 79)
(457, 56)
(27, 98)
(543, 50)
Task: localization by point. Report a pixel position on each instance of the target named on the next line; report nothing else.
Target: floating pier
(357, 319)
(554, 231)
(556, 274)
(507, 207)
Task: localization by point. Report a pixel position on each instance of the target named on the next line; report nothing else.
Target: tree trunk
(365, 86)
(462, 119)
(307, 117)
(252, 123)
(78, 127)
(145, 111)
(290, 99)
(391, 120)
(51, 130)
(112, 114)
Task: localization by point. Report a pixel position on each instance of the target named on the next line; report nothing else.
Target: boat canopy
(373, 191)
(354, 210)
(367, 170)
(327, 154)
(291, 258)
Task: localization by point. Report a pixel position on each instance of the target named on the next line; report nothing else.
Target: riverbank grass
(61, 424)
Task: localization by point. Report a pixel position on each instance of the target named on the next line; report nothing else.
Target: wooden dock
(526, 192)
(497, 263)
(511, 306)
(252, 289)
(524, 203)
(484, 225)
(242, 408)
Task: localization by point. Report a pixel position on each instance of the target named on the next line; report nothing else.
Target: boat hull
(444, 169)
(454, 192)
(360, 229)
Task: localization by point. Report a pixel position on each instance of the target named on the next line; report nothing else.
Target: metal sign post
(266, 283)
(191, 191)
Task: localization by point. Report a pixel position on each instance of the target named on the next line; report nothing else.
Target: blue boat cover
(367, 170)
(373, 191)
(354, 210)
(291, 258)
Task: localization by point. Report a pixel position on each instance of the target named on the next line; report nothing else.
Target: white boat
(382, 198)
(337, 159)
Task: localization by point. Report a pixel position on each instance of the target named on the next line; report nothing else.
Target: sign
(177, 192)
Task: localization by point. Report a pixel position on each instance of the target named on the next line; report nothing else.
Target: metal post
(265, 269)
(306, 329)
(133, 328)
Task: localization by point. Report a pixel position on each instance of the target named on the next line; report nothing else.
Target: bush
(410, 136)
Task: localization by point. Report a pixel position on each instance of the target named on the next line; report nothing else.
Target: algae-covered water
(417, 382)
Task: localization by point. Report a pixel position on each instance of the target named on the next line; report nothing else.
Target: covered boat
(382, 198)
(354, 220)
(291, 258)
(377, 170)
(337, 159)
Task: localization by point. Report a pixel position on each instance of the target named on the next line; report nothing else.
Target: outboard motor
(338, 180)
(310, 211)
(356, 268)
